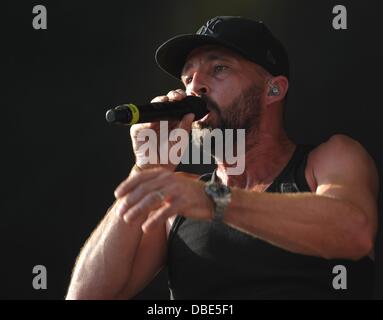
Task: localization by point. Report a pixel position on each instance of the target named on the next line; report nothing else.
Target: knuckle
(141, 189)
(151, 197)
(160, 99)
(156, 169)
(165, 171)
(182, 92)
(135, 212)
(143, 207)
(174, 95)
(138, 209)
(120, 208)
(120, 188)
(125, 201)
(161, 172)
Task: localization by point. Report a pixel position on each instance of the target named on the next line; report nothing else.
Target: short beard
(243, 113)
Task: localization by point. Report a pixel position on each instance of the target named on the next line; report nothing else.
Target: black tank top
(215, 261)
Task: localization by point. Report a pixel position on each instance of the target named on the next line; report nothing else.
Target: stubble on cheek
(245, 111)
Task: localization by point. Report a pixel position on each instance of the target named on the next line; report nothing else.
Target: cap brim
(171, 55)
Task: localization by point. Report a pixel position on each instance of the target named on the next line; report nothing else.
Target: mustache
(211, 105)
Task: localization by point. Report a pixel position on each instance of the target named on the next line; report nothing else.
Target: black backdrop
(61, 161)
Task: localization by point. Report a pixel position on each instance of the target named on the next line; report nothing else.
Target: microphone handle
(128, 114)
(152, 112)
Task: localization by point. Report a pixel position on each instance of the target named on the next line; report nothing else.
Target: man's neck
(264, 161)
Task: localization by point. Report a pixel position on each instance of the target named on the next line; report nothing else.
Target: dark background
(61, 161)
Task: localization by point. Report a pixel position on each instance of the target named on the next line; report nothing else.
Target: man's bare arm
(118, 259)
(339, 220)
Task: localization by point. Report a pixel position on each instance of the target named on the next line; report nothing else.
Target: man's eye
(219, 68)
(188, 80)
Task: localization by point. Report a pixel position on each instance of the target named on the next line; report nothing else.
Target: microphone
(128, 114)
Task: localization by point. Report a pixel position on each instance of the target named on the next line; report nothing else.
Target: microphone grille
(110, 116)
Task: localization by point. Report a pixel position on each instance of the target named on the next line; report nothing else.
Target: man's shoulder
(338, 146)
(343, 153)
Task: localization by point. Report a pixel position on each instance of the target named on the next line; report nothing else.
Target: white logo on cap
(210, 26)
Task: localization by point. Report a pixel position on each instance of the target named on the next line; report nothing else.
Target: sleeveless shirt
(208, 260)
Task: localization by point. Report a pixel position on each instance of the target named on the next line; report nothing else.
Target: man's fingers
(150, 202)
(162, 214)
(181, 92)
(160, 99)
(133, 182)
(151, 187)
(176, 94)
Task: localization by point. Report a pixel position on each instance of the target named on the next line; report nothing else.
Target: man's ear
(276, 89)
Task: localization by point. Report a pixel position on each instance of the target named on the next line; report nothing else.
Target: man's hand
(185, 124)
(152, 196)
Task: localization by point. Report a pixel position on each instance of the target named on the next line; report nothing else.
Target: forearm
(104, 264)
(303, 223)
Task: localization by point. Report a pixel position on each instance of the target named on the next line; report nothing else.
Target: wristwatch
(220, 195)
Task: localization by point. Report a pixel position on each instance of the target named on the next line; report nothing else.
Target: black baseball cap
(250, 38)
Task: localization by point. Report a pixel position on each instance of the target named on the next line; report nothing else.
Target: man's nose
(198, 85)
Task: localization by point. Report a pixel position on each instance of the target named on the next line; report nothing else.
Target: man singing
(278, 230)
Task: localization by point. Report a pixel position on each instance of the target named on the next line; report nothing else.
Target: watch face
(218, 189)
(221, 196)
(221, 191)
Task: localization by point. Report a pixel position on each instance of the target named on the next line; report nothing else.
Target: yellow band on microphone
(135, 113)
